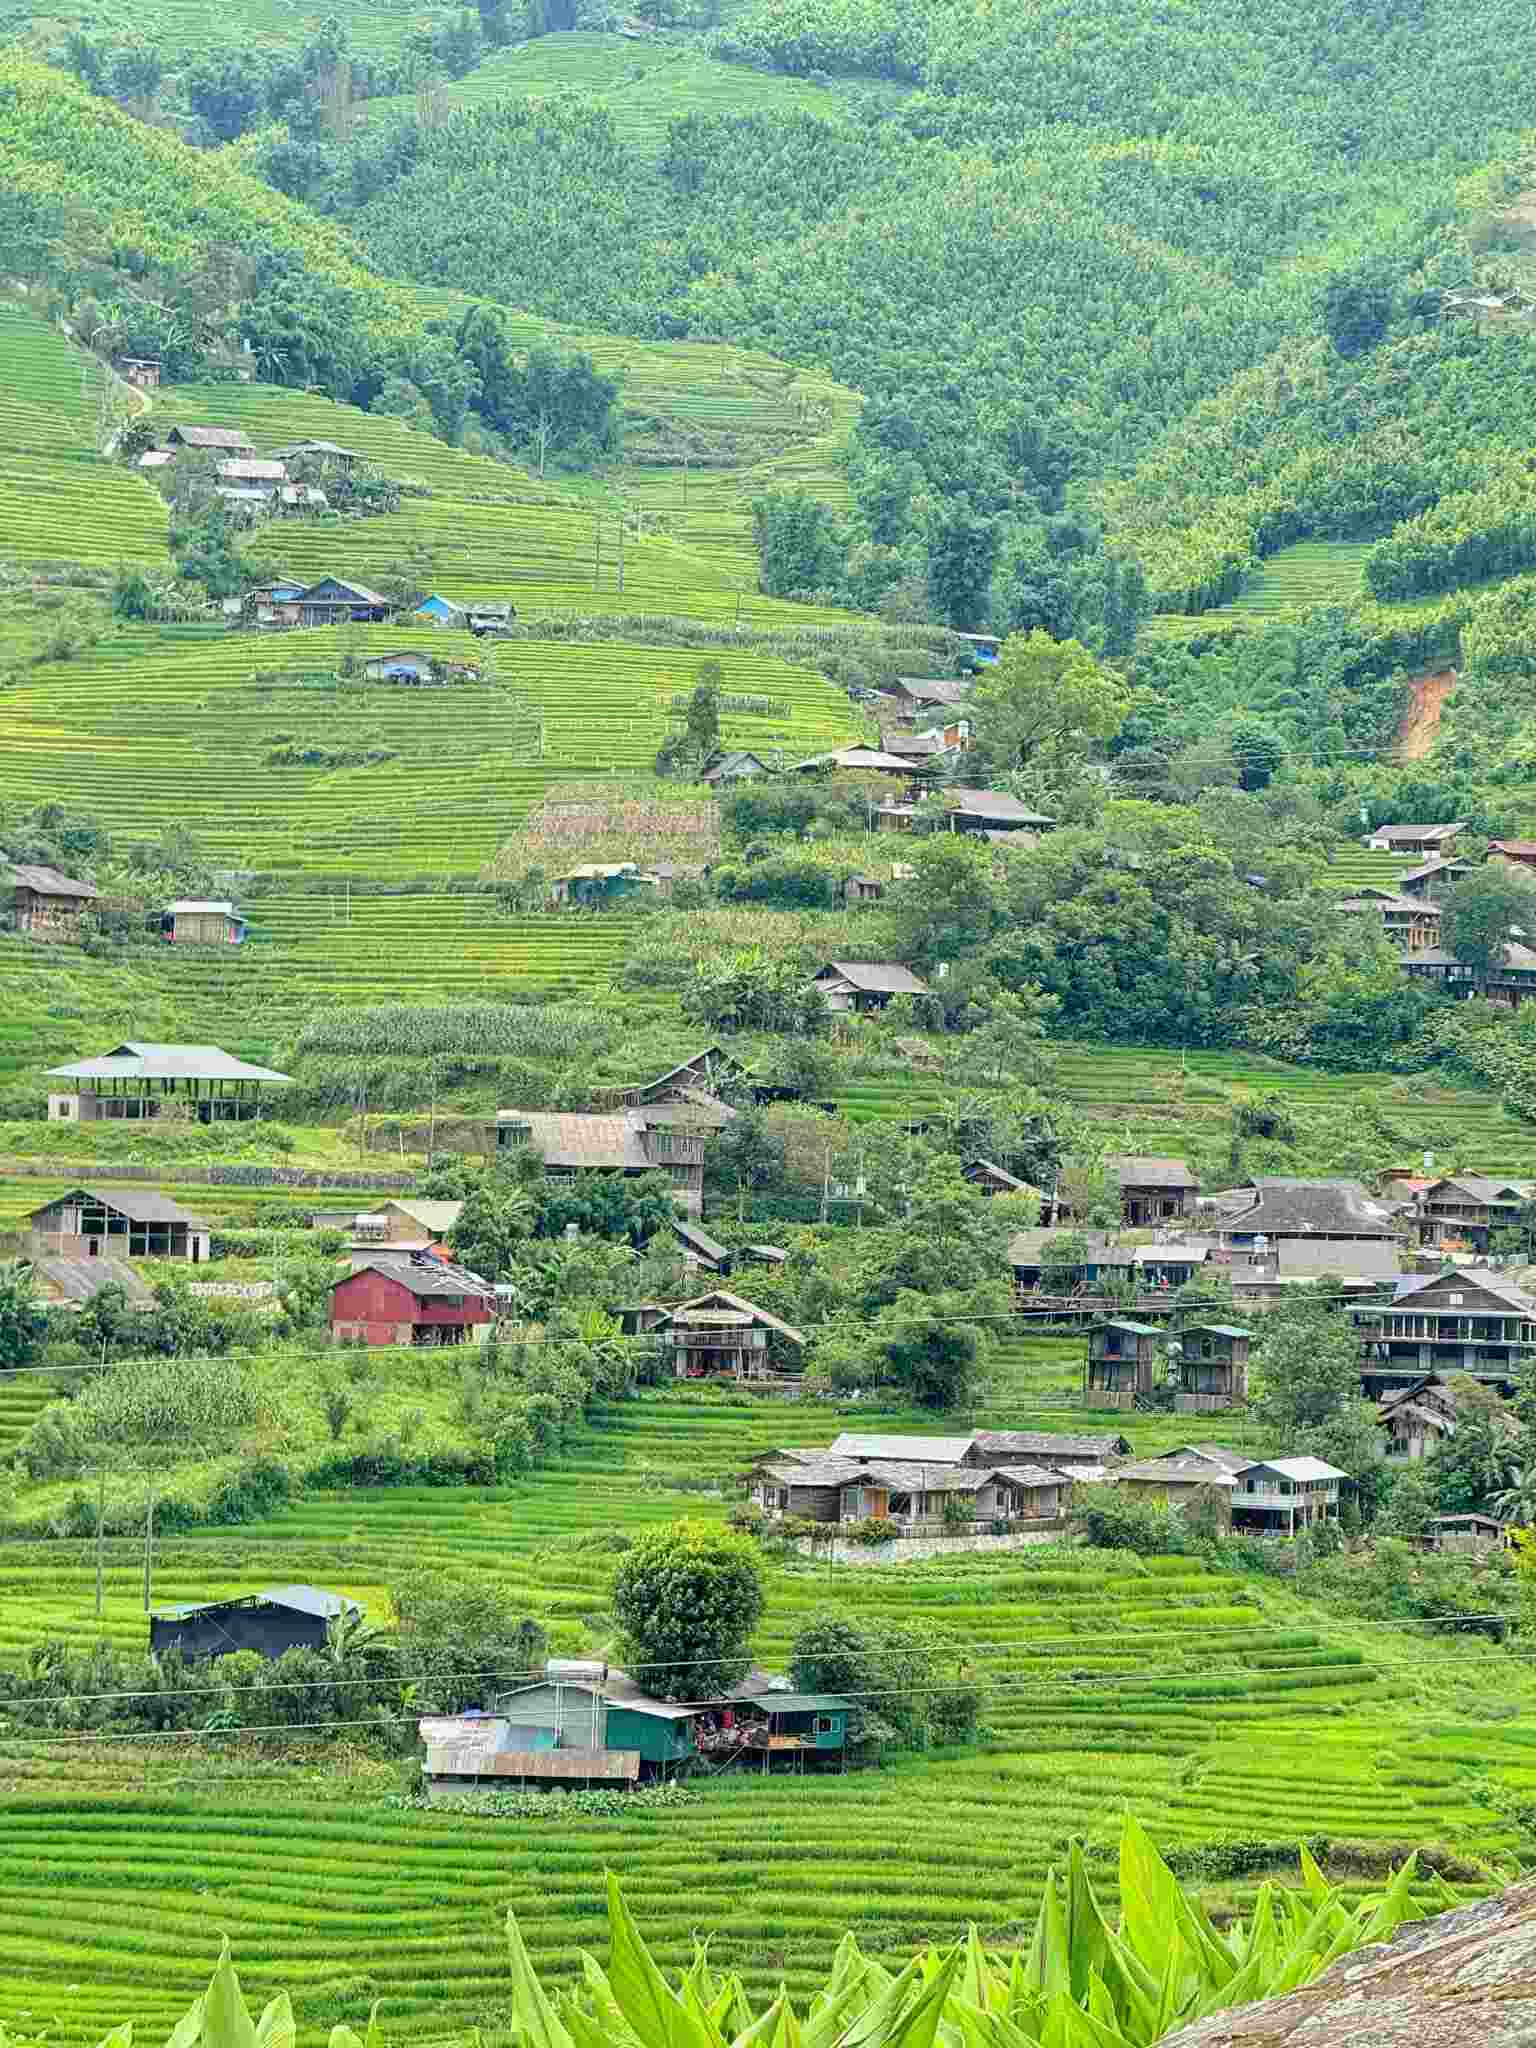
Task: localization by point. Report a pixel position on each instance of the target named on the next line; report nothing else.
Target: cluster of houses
(1409, 910)
(250, 484)
(52, 907)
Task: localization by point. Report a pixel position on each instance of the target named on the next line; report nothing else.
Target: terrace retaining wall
(913, 1549)
(174, 1173)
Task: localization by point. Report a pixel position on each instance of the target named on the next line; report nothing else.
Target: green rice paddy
(1213, 1711)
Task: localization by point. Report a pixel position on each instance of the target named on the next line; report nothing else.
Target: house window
(825, 1725)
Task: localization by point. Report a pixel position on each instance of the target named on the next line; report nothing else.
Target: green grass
(153, 728)
(1172, 1690)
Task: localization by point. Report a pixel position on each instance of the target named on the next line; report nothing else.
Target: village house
(322, 452)
(46, 904)
(274, 603)
(1465, 1321)
(1514, 853)
(1509, 983)
(195, 922)
(1356, 1266)
(130, 1223)
(583, 1722)
(990, 1179)
(405, 1223)
(301, 498)
(1121, 1363)
(279, 1618)
(331, 602)
(1434, 879)
(136, 1079)
(693, 1080)
(142, 372)
(1278, 1496)
(411, 1298)
(485, 617)
(1411, 922)
(1428, 841)
(1179, 1481)
(439, 611)
(920, 1498)
(1078, 1457)
(737, 764)
(211, 440)
(924, 693)
(247, 473)
(627, 1141)
(1418, 1420)
(1467, 1534)
(993, 811)
(721, 1335)
(936, 744)
(1152, 1190)
(1276, 1208)
(1155, 1267)
(1212, 1361)
(401, 665)
(871, 760)
(1464, 1209)
(862, 986)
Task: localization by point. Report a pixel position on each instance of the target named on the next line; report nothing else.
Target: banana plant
(1080, 1983)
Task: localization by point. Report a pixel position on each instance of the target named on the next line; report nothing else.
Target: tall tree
(1479, 912)
(1045, 703)
(687, 1597)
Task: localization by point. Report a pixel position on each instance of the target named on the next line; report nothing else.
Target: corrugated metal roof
(937, 1450)
(427, 1278)
(141, 1060)
(1133, 1169)
(565, 1139)
(1297, 1468)
(434, 1216)
(210, 437)
(994, 803)
(1042, 1444)
(1179, 1472)
(83, 1279)
(1030, 1475)
(800, 1702)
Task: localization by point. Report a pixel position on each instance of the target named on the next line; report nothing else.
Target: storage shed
(133, 1223)
(199, 921)
(46, 904)
(277, 1619)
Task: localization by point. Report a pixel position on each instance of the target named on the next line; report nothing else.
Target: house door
(877, 1502)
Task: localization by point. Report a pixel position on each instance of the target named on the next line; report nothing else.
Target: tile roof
(1458, 1282)
(1411, 832)
(48, 881)
(1304, 1208)
(1030, 1475)
(856, 757)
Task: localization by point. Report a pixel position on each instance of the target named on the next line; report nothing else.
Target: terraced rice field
(59, 501)
(644, 85)
(1160, 1687)
(153, 729)
(1167, 1102)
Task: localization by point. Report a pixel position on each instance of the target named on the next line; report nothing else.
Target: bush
(1110, 1519)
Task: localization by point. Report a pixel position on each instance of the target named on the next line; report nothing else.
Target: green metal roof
(799, 1702)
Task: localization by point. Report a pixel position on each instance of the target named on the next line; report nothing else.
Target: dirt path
(1421, 721)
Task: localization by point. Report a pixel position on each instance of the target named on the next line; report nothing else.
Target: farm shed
(135, 1223)
(195, 921)
(700, 1249)
(599, 883)
(440, 611)
(317, 451)
(482, 618)
(722, 1334)
(581, 1722)
(136, 1078)
(1473, 1533)
(793, 1726)
(279, 1618)
(411, 1298)
(864, 985)
(406, 1223)
(990, 1179)
(222, 440)
(46, 904)
(1120, 1362)
(407, 665)
(142, 372)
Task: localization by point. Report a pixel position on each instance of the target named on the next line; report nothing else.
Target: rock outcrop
(1464, 1980)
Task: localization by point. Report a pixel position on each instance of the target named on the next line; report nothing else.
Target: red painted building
(411, 1298)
